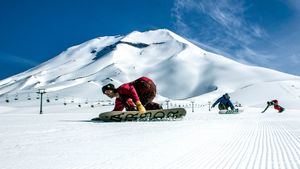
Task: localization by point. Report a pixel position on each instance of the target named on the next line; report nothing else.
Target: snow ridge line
(234, 151)
(261, 145)
(215, 156)
(254, 148)
(237, 161)
(206, 156)
(293, 147)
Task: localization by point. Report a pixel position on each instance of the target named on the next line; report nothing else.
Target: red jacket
(129, 95)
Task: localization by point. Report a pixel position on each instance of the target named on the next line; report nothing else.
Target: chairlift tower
(193, 105)
(41, 92)
(167, 103)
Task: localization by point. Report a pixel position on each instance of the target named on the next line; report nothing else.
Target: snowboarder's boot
(222, 107)
(153, 106)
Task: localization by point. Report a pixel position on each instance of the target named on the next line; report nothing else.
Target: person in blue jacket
(224, 103)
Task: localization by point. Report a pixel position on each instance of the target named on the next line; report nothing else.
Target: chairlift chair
(28, 97)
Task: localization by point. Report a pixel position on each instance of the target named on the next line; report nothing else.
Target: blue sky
(257, 32)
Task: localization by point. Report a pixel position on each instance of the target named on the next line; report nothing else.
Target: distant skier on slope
(224, 103)
(136, 95)
(275, 104)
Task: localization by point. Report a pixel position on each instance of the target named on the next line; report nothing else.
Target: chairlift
(28, 97)
(79, 105)
(47, 100)
(92, 106)
(6, 100)
(16, 98)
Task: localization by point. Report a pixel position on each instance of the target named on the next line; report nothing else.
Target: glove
(140, 107)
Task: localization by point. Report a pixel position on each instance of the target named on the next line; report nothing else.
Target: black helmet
(226, 96)
(108, 87)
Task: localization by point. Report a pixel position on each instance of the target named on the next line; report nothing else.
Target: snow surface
(64, 138)
(186, 76)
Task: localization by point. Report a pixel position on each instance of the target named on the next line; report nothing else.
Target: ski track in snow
(263, 144)
(201, 140)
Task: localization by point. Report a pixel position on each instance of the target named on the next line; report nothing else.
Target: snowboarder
(136, 95)
(224, 103)
(275, 104)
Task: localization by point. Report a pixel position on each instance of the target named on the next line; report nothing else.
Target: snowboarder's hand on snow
(130, 103)
(140, 107)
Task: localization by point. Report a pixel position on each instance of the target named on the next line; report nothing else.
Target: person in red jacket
(275, 104)
(136, 95)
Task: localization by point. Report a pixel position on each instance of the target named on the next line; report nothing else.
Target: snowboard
(235, 111)
(265, 108)
(269, 106)
(149, 115)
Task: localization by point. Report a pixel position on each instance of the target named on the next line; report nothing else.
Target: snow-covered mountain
(180, 69)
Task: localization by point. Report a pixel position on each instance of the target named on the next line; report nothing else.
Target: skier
(136, 95)
(224, 103)
(275, 104)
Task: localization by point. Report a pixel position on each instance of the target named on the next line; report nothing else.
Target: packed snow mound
(180, 69)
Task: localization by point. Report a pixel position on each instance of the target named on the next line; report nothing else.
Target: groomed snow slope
(64, 138)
